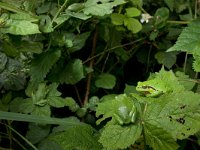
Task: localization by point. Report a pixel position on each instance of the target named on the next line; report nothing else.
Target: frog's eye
(148, 87)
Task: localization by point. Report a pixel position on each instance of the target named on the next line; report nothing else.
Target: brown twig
(87, 93)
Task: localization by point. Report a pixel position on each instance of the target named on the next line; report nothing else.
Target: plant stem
(178, 22)
(107, 50)
(185, 63)
(87, 93)
(59, 11)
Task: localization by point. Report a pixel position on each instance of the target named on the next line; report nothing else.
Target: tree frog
(152, 88)
(124, 115)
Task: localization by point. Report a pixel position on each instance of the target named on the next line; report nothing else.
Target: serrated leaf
(106, 81)
(111, 104)
(117, 19)
(77, 137)
(100, 7)
(42, 64)
(21, 27)
(177, 113)
(167, 59)
(133, 24)
(73, 72)
(157, 138)
(42, 111)
(118, 137)
(188, 41)
(132, 12)
(196, 63)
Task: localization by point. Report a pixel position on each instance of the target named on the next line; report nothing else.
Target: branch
(87, 93)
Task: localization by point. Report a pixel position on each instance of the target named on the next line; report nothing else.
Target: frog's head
(150, 89)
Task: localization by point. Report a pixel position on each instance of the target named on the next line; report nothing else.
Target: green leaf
(77, 137)
(119, 137)
(188, 41)
(71, 103)
(78, 15)
(170, 4)
(161, 16)
(21, 27)
(56, 102)
(100, 7)
(196, 63)
(3, 61)
(30, 46)
(167, 59)
(37, 119)
(133, 24)
(137, 2)
(42, 111)
(132, 12)
(117, 19)
(158, 138)
(42, 64)
(177, 113)
(34, 129)
(185, 80)
(106, 81)
(73, 72)
(111, 104)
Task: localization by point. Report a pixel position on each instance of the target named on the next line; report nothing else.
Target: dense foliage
(99, 74)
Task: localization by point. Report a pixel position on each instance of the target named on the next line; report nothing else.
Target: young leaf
(132, 12)
(21, 27)
(42, 64)
(158, 138)
(119, 137)
(117, 19)
(100, 7)
(133, 24)
(106, 81)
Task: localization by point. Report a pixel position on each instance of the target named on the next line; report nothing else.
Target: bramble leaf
(73, 72)
(177, 113)
(158, 138)
(42, 64)
(188, 41)
(119, 137)
(80, 136)
(111, 104)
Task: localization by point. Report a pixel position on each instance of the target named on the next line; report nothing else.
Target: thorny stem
(90, 66)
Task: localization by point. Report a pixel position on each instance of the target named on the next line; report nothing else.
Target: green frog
(153, 88)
